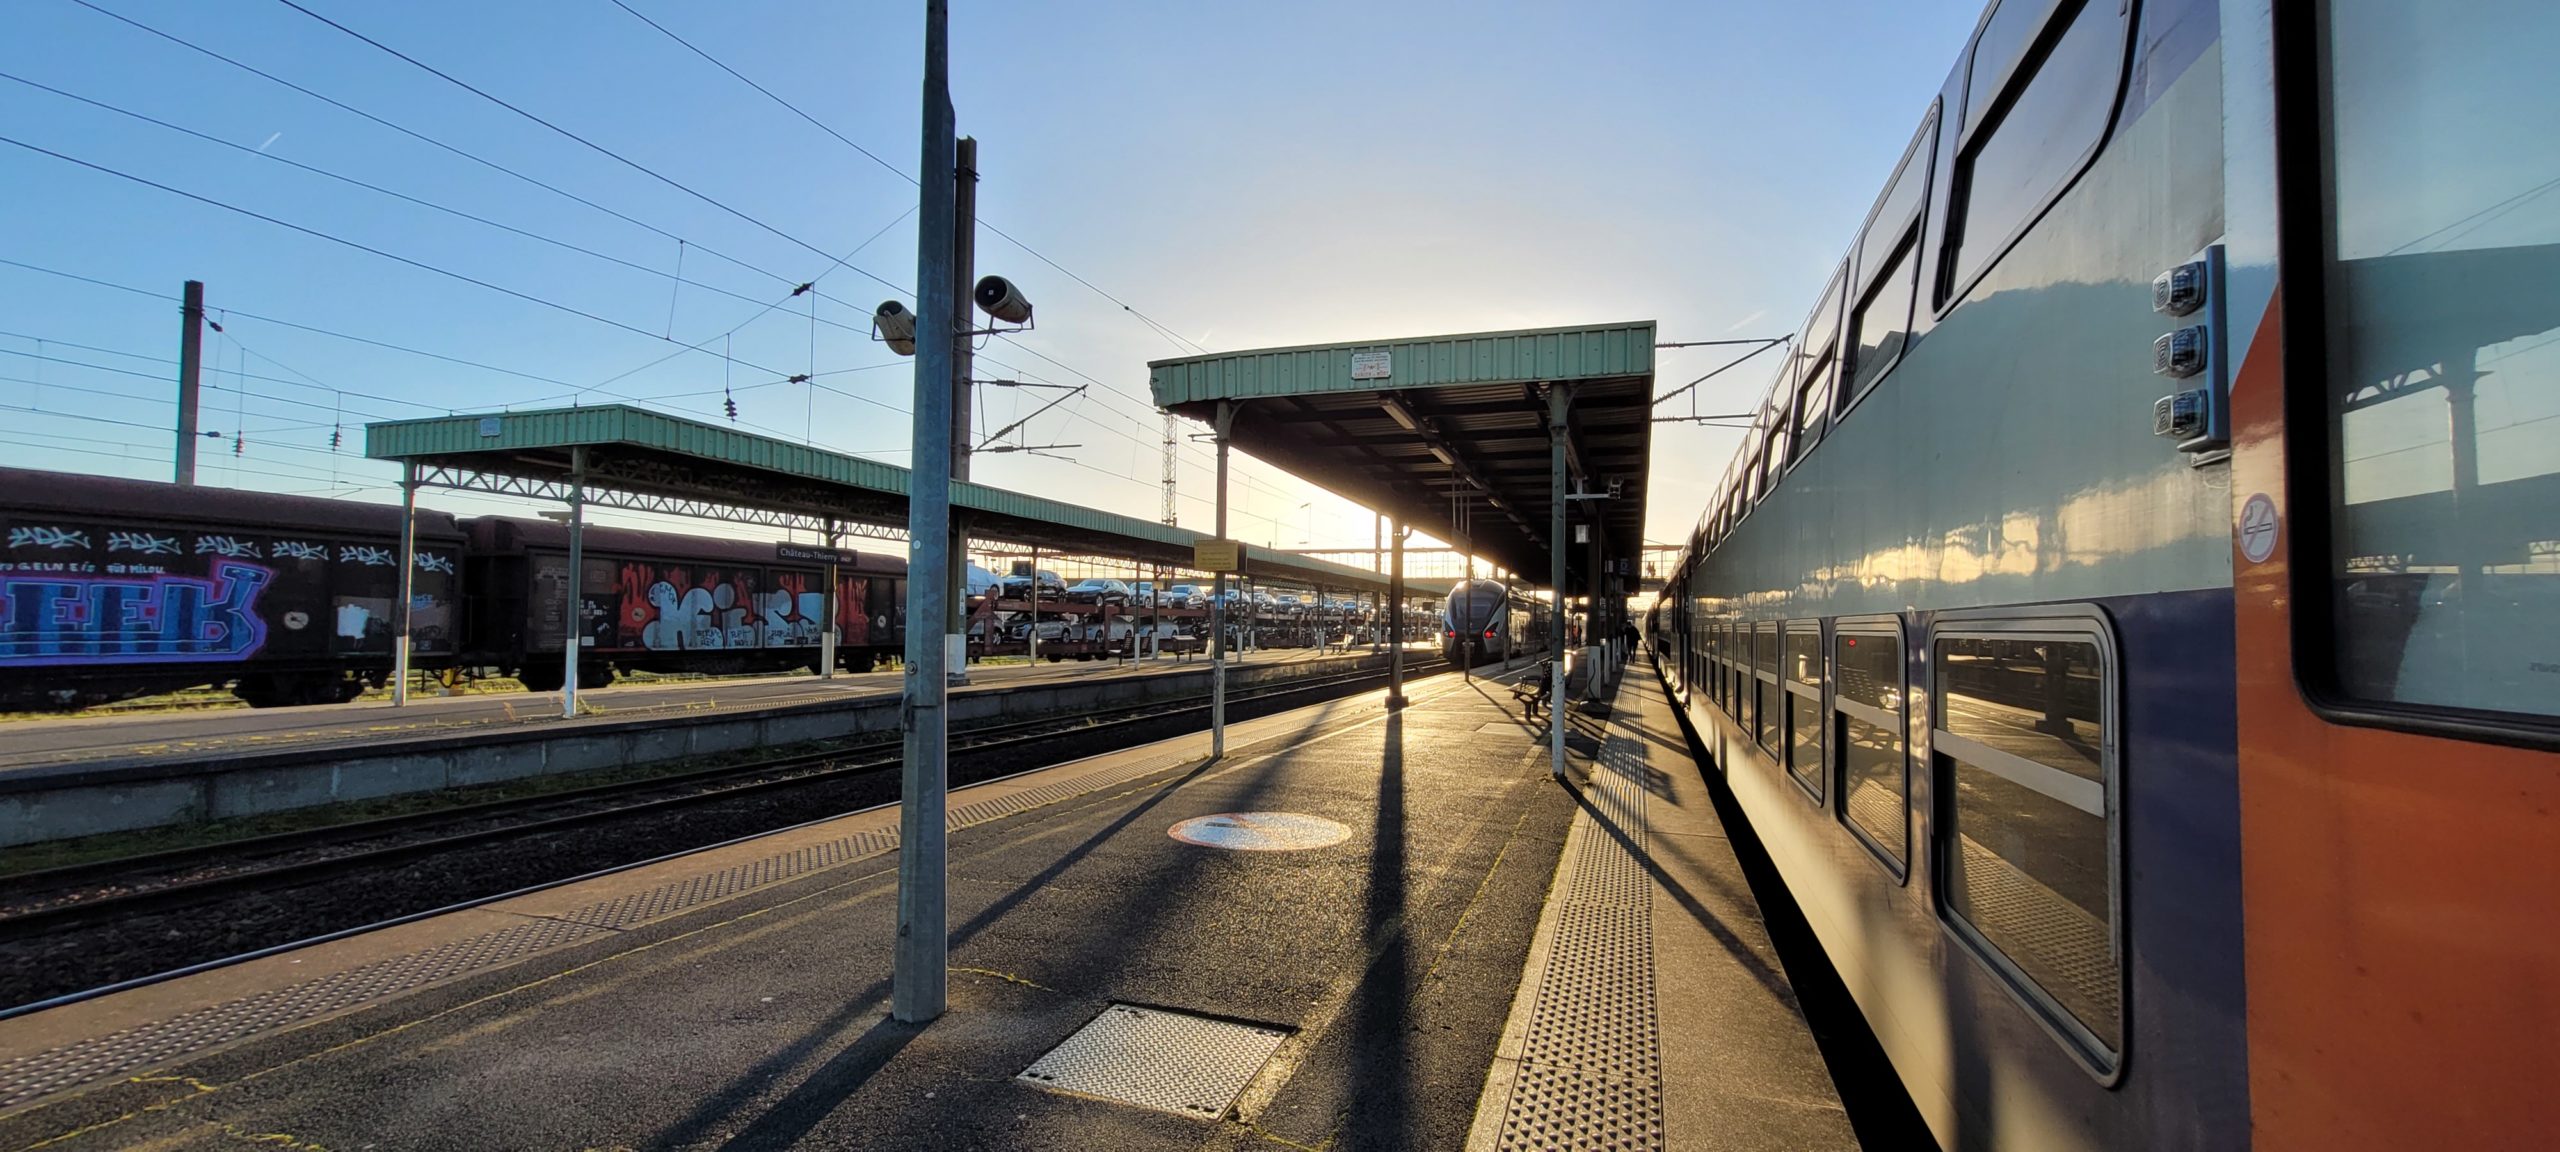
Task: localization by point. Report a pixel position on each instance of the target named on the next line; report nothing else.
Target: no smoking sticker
(2258, 528)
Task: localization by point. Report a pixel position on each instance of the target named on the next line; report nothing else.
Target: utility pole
(964, 366)
(918, 989)
(190, 372)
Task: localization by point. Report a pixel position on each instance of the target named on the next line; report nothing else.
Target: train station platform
(1359, 929)
(88, 776)
(146, 736)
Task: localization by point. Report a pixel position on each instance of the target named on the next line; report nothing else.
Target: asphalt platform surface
(1389, 959)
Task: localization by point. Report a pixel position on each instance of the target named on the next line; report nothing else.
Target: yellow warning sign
(1217, 555)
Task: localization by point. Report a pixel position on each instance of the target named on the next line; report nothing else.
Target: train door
(2396, 560)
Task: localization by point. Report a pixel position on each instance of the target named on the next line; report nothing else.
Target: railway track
(84, 906)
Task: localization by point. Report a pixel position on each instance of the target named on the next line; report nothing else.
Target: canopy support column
(1395, 611)
(408, 583)
(1557, 401)
(1218, 597)
(573, 623)
(827, 629)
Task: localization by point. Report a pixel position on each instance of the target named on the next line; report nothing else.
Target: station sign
(1217, 555)
(811, 554)
(1373, 365)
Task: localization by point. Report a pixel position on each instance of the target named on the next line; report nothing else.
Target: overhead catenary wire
(575, 388)
(636, 166)
(1179, 341)
(440, 144)
(423, 138)
(1763, 346)
(306, 382)
(361, 247)
(582, 141)
(677, 276)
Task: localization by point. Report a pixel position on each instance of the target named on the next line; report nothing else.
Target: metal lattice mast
(1170, 440)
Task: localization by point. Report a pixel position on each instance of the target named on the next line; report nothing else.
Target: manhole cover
(1261, 831)
(1170, 1061)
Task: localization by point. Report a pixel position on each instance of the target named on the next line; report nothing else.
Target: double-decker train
(112, 588)
(1482, 621)
(2132, 625)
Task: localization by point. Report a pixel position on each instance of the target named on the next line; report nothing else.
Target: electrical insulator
(731, 403)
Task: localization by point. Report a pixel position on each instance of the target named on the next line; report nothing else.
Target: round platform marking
(2258, 528)
(1261, 831)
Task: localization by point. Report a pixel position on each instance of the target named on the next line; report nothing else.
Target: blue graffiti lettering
(149, 619)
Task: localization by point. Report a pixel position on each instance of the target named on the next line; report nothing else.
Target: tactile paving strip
(1591, 1061)
(157, 1042)
(1169, 1061)
(97, 1057)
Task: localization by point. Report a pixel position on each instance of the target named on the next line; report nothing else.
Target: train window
(2438, 259)
(1887, 272)
(1813, 405)
(2024, 146)
(1774, 460)
(1883, 320)
(2024, 742)
(1867, 724)
(1738, 669)
(1764, 685)
(1706, 646)
(1803, 674)
(1810, 404)
(1720, 663)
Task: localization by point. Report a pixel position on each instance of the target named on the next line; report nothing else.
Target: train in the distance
(113, 588)
(1482, 621)
(2132, 623)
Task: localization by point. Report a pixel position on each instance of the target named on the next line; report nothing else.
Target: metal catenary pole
(190, 375)
(408, 583)
(918, 989)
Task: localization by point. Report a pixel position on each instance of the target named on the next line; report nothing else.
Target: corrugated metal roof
(1535, 355)
(535, 445)
(1448, 433)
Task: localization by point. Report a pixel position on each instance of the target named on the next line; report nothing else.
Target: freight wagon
(114, 588)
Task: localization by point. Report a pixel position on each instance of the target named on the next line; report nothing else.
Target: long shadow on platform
(1381, 1109)
(792, 1117)
(787, 1122)
(1769, 978)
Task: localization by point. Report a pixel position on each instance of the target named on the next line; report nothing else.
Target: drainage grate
(1169, 1061)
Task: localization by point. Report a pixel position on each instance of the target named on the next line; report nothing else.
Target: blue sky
(1245, 175)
